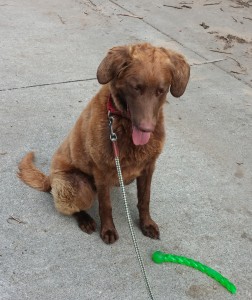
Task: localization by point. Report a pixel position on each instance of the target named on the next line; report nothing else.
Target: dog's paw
(85, 222)
(150, 229)
(109, 236)
(88, 227)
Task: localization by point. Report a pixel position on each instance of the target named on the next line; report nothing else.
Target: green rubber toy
(160, 257)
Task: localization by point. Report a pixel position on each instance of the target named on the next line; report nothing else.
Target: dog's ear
(180, 73)
(117, 59)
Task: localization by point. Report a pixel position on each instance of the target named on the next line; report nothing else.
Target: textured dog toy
(161, 257)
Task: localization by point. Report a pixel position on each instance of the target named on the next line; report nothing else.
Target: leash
(113, 138)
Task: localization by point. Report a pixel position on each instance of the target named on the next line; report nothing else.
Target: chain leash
(113, 139)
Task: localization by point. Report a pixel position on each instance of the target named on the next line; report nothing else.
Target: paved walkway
(201, 195)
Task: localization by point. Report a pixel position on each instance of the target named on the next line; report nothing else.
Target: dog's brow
(134, 80)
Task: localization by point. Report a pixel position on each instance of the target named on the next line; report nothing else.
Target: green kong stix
(161, 257)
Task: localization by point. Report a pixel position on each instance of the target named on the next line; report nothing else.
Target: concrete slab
(201, 195)
(36, 35)
(212, 29)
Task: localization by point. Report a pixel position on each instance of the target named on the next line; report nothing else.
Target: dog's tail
(32, 176)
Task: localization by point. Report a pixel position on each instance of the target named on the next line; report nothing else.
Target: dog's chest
(132, 163)
(129, 174)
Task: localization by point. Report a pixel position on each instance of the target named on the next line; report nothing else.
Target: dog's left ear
(117, 59)
(180, 72)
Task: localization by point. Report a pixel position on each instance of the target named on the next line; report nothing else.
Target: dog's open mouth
(140, 137)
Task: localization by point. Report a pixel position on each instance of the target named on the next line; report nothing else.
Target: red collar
(114, 111)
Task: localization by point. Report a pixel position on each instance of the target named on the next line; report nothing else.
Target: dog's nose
(146, 127)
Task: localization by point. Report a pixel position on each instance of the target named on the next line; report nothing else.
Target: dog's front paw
(109, 236)
(150, 229)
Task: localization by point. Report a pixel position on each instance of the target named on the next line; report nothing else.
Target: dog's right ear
(117, 59)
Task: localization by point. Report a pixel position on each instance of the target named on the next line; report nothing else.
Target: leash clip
(113, 136)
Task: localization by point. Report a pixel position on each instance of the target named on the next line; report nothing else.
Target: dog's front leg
(147, 225)
(108, 231)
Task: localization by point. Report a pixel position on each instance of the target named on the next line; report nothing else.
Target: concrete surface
(201, 195)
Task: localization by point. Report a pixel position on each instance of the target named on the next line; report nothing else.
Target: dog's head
(140, 77)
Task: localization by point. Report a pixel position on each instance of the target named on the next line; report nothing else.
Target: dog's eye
(138, 88)
(160, 91)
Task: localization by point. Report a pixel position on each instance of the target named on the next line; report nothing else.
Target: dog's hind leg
(85, 222)
(73, 194)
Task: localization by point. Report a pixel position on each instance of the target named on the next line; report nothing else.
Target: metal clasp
(113, 136)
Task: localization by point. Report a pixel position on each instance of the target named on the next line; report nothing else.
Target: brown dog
(136, 81)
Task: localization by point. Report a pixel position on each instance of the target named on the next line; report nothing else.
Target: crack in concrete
(173, 39)
(46, 84)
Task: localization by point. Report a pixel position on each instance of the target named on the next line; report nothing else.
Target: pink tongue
(140, 137)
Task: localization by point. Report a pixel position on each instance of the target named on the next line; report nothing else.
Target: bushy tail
(32, 176)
